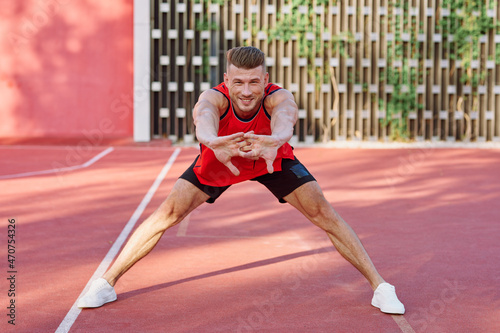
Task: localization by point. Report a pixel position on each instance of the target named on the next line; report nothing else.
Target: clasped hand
(246, 145)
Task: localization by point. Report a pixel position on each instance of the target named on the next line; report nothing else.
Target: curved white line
(57, 170)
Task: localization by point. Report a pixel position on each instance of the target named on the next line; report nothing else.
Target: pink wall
(66, 68)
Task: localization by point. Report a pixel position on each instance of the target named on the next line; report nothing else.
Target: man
(243, 126)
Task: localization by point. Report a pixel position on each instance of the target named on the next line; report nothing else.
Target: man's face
(246, 88)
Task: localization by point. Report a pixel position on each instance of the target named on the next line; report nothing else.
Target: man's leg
(309, 200)
(183, 198)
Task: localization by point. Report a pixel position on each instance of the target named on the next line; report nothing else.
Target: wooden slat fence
(372, 70)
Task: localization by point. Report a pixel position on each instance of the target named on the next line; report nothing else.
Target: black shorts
(293, 174)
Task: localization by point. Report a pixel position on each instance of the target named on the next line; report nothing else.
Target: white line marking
(121, 147)
(71, 168)
(182, 231)
(74, 312)
(36, 147)
(403, 324)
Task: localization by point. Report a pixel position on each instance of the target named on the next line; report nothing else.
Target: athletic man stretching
(243, 126)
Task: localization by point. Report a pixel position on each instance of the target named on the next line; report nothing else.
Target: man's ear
(266, 79)
(226, 79)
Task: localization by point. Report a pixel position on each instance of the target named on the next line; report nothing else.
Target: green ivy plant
(306, 28)
(467, 22)
(403, 79)
(205, 25)
(300, 26)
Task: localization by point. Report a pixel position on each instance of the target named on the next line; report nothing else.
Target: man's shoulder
(221, 87)
(271, 87)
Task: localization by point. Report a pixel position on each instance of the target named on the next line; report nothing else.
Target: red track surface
(428, 218)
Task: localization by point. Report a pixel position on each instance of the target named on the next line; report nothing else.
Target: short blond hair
(247, 57)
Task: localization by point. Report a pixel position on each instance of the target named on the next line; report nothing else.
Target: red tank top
(212, 172)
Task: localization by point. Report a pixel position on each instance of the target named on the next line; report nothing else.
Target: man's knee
(319, 211)
(169, 213)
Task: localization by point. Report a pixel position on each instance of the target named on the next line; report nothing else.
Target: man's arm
(284, 112)
(206, 114)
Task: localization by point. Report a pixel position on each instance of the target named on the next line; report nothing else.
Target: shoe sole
(387, 311)
(85, 306)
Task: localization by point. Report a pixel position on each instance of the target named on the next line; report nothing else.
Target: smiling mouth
(246, 101)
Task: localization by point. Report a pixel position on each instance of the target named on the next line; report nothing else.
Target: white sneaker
(99, 293)
(386, 300)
